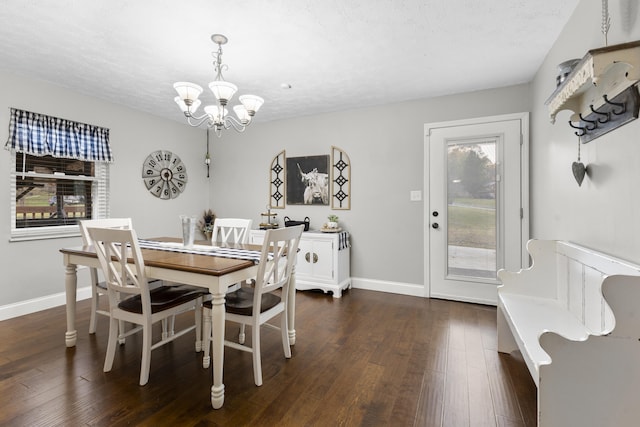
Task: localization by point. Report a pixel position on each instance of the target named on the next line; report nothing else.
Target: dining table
(198, 268)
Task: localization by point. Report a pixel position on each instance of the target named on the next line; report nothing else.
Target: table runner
(245, 254)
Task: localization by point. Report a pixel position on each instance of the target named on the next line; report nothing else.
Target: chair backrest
(277, 260)
(102, 223)
(231, 230)
(123, 223)
(115, 248)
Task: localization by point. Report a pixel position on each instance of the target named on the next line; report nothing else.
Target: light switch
(415, 195)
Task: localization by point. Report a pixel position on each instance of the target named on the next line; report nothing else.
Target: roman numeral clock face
(164, 174)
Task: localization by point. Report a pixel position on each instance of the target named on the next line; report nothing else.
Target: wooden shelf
(606, 71)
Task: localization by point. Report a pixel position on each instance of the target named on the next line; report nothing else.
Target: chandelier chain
(218, 66)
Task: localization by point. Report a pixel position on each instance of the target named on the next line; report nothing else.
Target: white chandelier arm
(230, 121)
(198, 120)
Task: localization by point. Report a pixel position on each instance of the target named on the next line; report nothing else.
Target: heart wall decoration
(579, 171)
(578, 168)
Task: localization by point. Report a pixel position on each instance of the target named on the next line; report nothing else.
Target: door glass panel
(471, 209)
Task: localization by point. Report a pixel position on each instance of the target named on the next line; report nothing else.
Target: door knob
(435, 213)
(435, 225)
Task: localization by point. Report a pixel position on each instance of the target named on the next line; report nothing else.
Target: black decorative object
(288, 222)
(277, 183)
(341, 181)
(611, 115)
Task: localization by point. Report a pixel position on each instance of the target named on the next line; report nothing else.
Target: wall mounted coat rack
(601, 91)
(611, 115)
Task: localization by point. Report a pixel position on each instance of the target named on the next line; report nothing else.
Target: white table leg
(217, 328)
(291, 311)
(70, 283)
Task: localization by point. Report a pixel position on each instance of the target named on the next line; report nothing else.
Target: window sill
(41, 233)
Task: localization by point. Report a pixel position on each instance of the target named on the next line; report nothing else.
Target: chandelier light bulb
(242, 113)
(216, 113)
(251, 102)
(223, 91)
(187, 109)
(188, 92)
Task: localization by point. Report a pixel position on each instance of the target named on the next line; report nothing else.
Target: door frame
(524, 184)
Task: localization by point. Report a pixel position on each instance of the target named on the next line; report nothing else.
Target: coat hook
(593, 122)
(580, 128)
(606, 115)
(617, 104)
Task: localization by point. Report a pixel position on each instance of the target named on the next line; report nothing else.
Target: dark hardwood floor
(367, 359)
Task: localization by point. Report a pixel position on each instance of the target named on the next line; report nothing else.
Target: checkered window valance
(41, 135)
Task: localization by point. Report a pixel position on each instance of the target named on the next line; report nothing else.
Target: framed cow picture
(308, 180)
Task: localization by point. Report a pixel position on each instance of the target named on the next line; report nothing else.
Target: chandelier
(216, 116)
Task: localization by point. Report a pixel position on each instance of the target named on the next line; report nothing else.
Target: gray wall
(33, 269)
(603, 213)
(386, 147)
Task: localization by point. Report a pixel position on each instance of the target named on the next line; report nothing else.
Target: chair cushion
(241, 302)
(163, 298)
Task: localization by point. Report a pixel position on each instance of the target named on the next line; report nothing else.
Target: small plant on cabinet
(333, 221)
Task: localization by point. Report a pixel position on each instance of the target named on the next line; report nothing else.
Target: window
(59, 175)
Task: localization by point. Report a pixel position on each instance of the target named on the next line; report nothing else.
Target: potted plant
(206, 223)
(333, 221)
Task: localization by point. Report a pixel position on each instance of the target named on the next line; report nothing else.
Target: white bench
(575, 317)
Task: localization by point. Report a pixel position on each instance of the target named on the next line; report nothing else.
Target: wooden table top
(194, 263)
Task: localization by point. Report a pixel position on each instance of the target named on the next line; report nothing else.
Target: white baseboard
(42, 303)
(413, 289)
(456, 297)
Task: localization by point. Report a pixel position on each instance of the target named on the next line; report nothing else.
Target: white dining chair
(144, 306)
(256, 306)
(231, 230)
(99, 287)
(225, 230)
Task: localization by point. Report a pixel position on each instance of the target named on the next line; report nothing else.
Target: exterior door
(476, 215)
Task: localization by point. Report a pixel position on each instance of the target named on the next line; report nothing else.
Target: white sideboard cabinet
(322, 263)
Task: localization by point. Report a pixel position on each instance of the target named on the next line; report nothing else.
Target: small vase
(207, 234)
(332, 224)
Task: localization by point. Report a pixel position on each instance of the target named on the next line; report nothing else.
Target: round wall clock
(164, 174)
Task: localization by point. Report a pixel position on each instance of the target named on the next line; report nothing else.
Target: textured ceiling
(335, 54)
